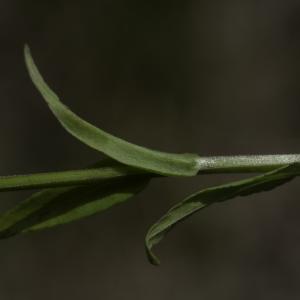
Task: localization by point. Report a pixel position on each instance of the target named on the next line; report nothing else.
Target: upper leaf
(118, 149)
(206, 197)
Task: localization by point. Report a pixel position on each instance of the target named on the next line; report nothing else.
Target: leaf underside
(206, 197)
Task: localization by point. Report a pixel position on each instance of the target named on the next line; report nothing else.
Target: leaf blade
(66, 178)
(127, 153)
(206, 197)
(59, 206)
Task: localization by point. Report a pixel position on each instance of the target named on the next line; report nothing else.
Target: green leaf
(206, 197)
(116, 148)
(103, 171)
(58, 206)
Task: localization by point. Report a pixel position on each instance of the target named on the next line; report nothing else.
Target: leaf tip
(29, 61)
(153, 259)
(27, 52)
(26, 48)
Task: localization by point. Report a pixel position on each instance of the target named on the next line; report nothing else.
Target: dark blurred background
(211, 77)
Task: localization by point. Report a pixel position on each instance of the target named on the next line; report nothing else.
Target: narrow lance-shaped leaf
(206, 197)
(116, 148)
(58, 206)
(106, 170)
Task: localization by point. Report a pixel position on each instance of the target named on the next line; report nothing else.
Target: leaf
(116, 148)
(58, 206)
(103, 171)
(208, 196)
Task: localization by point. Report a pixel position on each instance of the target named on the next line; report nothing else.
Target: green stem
(207, 165)
(245, 163)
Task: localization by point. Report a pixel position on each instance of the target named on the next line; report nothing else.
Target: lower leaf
(58, 206)
(206, 197)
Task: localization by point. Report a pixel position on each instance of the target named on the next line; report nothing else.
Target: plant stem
(207, 165)
(245, 163)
